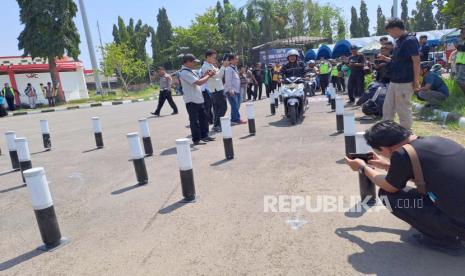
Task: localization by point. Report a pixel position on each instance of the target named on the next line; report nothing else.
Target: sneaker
(216, 129)
(155, 114)
(208, 139)
(174, 113)
(196, 143)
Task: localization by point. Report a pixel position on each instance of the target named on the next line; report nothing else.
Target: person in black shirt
(424, 48)
(438, 211)
(294, 67)
(357, 76)
(258, 86)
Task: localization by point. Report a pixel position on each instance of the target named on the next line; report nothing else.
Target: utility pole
(395, 4)
(93, 60)
(101, 51)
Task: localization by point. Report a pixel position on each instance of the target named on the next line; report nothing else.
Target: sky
(180, 13)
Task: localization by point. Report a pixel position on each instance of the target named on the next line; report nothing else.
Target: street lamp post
(93, 60)
(395, 4)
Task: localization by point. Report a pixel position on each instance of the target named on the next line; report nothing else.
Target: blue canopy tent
(310, 55)
(342, 48)
(324, 51)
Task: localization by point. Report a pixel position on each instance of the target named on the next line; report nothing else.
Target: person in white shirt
(215, 87)
(232, 88)
(192, 95)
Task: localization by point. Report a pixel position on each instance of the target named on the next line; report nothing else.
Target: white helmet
(292, 52)
(311, 61)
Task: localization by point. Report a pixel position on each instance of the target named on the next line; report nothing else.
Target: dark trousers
(355, 86)
(165, 95)
(11, 103)
(324, 82)
(219, 107)
(268, 90)
(335, 82)
(250, 93)
(421, 213)
(342, 84)
(51, 101)
(257, 90)
(208, 106)
(198, 121)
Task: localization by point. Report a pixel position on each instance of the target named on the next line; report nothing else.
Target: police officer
(460, 59)
(325, 70)
(357, 76)
(294, 67)
(9, 95)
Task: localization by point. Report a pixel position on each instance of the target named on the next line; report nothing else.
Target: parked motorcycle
(294, 99)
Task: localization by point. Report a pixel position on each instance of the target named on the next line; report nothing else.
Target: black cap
(354, 47)
(189, 57)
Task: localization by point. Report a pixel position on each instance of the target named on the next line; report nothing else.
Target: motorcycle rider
(312, 69)
(294, 67)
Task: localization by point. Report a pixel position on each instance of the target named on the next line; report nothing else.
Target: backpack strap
(417, 170)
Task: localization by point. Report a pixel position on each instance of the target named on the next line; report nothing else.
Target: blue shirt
(402, 64)
(437, 84)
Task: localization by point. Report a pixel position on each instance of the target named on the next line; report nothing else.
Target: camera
(364, 156)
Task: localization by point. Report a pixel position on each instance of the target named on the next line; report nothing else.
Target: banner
(276, 56)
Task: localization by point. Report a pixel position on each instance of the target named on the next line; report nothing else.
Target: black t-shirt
(357, 70)
(443, 165)
(424, 52)
(258, 74)
(402, 64)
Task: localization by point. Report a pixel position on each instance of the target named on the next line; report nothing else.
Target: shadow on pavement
(12, 188)
(284, 122)
(42, 151)
(126, 189)
(336, 134)
(221, 162)
(172, 207)
(8, 172)
(247, 137)
(341, 161)
(384, 258)
(170, 151)
(91, 150)
(20, 259)
(357, 211)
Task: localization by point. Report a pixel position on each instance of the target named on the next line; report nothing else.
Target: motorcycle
(294, 98)
(310, 84)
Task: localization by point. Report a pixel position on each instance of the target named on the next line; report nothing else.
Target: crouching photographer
(436, 208)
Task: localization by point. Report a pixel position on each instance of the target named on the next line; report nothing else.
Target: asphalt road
(116, 228)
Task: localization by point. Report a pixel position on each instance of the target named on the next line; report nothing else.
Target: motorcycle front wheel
(293, 114)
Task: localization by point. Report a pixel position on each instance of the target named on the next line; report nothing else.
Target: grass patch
(451, 130)
(456, 101)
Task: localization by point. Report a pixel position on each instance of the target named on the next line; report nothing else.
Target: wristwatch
(361, 170)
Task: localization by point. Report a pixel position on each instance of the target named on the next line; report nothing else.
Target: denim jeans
(234, 103)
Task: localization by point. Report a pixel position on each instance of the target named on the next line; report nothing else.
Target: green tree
(49, 31)
(134, 36)
(121, 59)
(354, 24)
(161, 39)
(455, 12)
(364, 21)
(297, 17)
(381, 22)
(423, 18)
(282, 15)
(440, 17)
(404, 13)
(341, 28)
(314, 18)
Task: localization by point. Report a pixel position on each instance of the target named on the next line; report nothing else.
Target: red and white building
(19, 71)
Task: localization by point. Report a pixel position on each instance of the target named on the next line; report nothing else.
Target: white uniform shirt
(215, 83)
(191, 91)
(232, 80)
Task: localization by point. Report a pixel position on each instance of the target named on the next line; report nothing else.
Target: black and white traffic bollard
(272, 106)
(349, 132)
(45, 134)
(328, 92)
(340, 114)
(367, 187)
(137, 156)
(23, 155)
(226, 130)
(332, 96)
(97, 126)
(276, 99)
(251, 118)
(186, 172)
(145, 132)
(10, 141)
(42, 203)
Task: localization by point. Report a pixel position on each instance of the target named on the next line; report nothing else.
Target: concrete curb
(81, 106)
(443, 116)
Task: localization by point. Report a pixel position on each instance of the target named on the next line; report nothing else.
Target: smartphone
(364, 156)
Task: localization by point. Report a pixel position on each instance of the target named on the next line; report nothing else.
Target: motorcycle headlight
(293, 86)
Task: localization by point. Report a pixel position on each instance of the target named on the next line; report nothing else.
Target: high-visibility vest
(324, 68)
(334, 72)
(460, 58)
